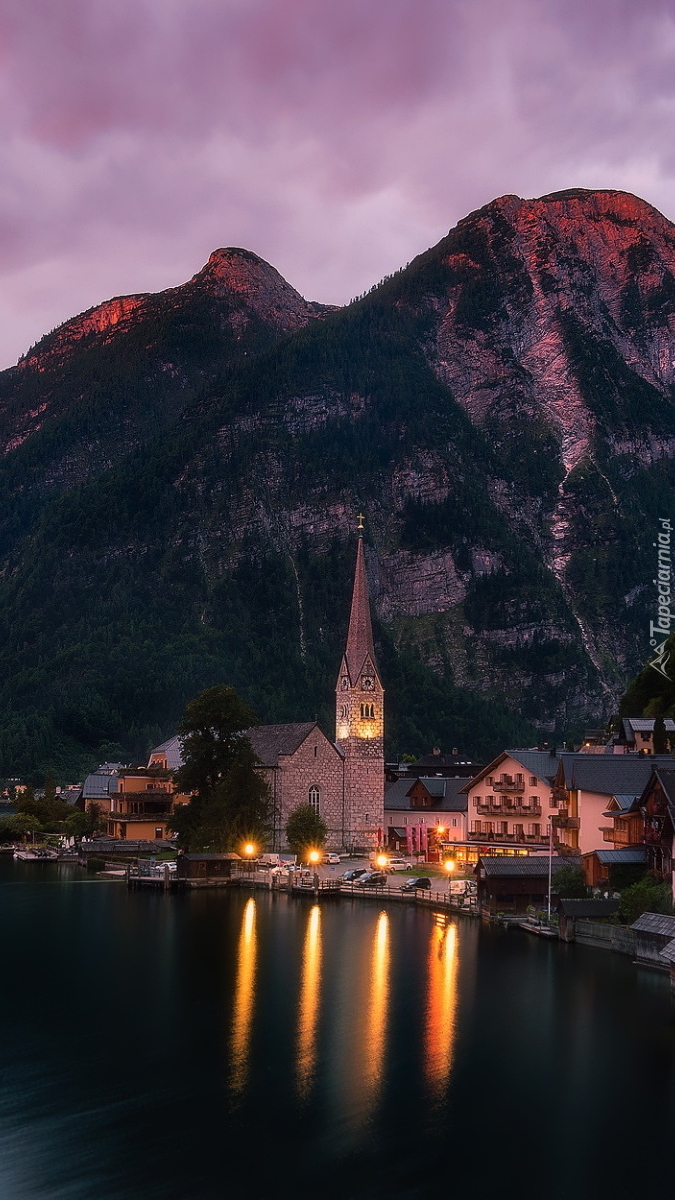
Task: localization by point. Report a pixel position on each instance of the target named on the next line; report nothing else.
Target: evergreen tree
(305, 830)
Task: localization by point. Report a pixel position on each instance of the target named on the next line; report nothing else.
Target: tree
(305, 830)
(648, 895)
(568, 882)
(230, 801)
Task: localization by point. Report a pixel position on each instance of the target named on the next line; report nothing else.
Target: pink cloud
(337, 140)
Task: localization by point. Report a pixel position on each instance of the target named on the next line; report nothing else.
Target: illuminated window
(368, 710)
(314, 798)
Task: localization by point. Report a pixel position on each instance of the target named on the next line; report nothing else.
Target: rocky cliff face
(502, 410)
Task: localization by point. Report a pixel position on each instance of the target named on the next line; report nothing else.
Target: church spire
(360, 636)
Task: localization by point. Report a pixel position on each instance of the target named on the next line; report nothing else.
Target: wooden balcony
(508, 785)
(561, 820)
(512, 808)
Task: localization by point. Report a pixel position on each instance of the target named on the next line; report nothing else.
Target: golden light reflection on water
(441, 1002)
(244, 998)
(377, 1011)
(310, 994)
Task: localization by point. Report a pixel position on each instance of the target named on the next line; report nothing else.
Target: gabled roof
(622, 803)
(268, 742)
(655, 923)
(611, 775)
(512, 865)
(645, 724)
(271, 741)
(101, 784)
(448, 795)
(541, 763)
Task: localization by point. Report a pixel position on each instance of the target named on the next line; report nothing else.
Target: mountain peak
(234, 272)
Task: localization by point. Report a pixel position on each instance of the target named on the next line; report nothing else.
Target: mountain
(183, 472)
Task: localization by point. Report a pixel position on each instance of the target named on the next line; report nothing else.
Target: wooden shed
(205, 868)
(668, 955)
(653, 932)
(512, 883)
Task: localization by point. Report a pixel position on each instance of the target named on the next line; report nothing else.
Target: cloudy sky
(336, 138)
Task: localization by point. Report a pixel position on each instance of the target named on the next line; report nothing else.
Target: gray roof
(541, 763)
(268, 742)
(668, 952)
(448, 795)
(628, 854)
(625, 800)
(645, 724)
(655, 923)
(611, 775)
(101, 783)
(514, 864)
(173, 752)
(588, 908)
(666, 777)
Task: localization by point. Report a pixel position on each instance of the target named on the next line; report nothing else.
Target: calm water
(214, 1045)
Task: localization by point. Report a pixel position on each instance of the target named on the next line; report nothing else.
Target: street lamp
(382, 862)
(249, 851)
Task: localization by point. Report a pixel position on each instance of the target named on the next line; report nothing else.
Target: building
(586, 792)
(426, 813)
(513, 884)
(510, 802)
(142, 804)
(342, 780)
(637, 735)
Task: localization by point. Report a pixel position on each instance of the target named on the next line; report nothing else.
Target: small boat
(22, 855)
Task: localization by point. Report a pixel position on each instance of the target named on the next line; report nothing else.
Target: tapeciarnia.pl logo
(661, 627)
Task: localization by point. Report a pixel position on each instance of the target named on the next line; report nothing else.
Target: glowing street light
(449, 864)
(249, 851)
(314, 857)
(382, 862)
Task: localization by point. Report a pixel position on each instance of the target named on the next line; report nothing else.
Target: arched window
(368, 710)
(314, 798)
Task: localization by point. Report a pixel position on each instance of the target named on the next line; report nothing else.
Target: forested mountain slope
(502, 411)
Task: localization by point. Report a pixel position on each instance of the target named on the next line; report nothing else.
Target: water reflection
(308, 1012)
(244, 998)
(441, 1002)
(375, 1031)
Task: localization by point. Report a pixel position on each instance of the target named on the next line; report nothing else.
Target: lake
(215, 1044)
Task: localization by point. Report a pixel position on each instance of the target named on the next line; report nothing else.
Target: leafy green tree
(648, 895)
(305, 830)
(230, 801)
(568, 882)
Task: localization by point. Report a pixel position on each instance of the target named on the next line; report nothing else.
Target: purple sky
(336, 138)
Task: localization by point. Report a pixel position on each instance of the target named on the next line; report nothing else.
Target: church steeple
(359, 720)
(360, 636)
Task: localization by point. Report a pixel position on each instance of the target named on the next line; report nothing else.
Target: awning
(399, 833)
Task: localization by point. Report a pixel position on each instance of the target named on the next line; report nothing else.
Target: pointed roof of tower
(360, 636)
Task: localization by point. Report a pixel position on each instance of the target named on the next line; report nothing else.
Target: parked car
(354, 874)
(333, 860)
(372, 879)
(421, 881)
(398, 864)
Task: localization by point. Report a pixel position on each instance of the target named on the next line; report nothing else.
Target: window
(502, 827)
(454, 822)
(519, 779)
(405, 820)
(489, 781)
(534, 830)
(316, 751)
(314, 798)
(476, 801)
(533, 780)
(368, 710)
(344, 711)
(422, 820)
(534, 799)
(518, 831)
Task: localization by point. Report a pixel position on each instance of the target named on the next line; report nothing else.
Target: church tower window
(314, 797)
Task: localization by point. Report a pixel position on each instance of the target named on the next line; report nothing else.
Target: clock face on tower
(345, 683)
(367, 683)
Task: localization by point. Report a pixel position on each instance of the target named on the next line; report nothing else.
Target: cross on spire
(360, 518)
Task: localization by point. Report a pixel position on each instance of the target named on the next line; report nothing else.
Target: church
(342, 780)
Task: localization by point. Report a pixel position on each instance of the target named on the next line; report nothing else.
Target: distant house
(205, 868)
(99, 787)
(511, 884)
(571, 912)
(637, 735)
(425, 814)
(656, 805)
(142, 804)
